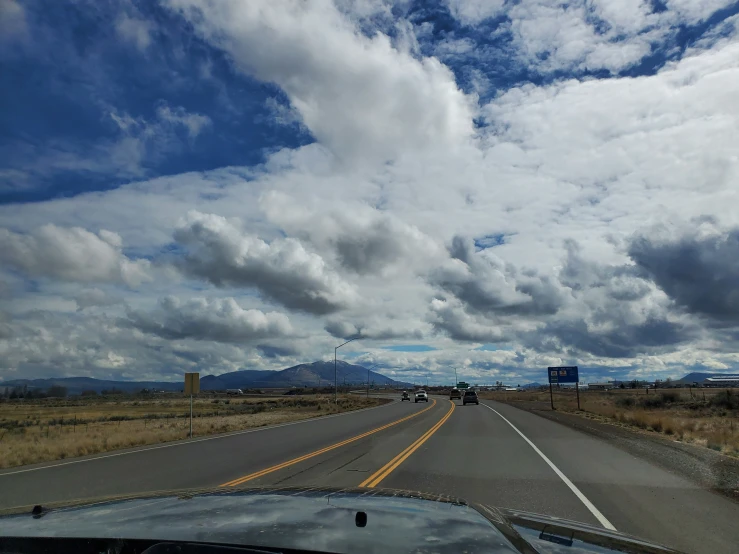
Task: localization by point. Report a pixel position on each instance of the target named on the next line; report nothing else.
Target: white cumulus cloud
(283, 270)
(71, 254)
(358, 95)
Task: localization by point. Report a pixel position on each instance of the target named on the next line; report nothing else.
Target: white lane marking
(186, 442)
(584, 499)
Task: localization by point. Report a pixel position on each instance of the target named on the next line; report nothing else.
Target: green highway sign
(463, 385)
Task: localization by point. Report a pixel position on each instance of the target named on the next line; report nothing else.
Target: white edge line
(185, 442)
(584, 499)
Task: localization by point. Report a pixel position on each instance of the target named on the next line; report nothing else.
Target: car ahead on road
(470, 397)
(405, 396)
(456, 393)
(421, 396)
(236, 392)
(218, 521)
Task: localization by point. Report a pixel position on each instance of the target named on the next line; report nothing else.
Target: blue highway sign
(567, 374)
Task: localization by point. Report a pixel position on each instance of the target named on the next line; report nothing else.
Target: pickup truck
(421, 396)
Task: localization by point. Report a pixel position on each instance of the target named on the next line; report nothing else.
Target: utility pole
(336, 374)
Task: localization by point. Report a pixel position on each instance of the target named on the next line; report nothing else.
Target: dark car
(405, 396)
(456, 393)
(470, 397)
(298, 520)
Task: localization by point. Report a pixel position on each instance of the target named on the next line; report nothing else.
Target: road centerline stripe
(310, 455)
(584, 499)
(374, 479)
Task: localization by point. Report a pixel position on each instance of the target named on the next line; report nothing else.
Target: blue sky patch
(110, 93)
(488, 348)
(85, 109)
(409, 348)
(490, 241)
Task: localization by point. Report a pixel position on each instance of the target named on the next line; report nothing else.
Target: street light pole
(368, 372)
(455, 377)
(336, 373)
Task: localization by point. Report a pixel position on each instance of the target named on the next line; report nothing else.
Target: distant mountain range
(316, 374)
(695, 377)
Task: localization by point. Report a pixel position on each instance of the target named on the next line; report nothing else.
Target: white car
(421, 396)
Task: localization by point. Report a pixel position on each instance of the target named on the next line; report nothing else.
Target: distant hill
(695, 377)
(75, 385)
(310, 375)
(319, 373)
(247, 378)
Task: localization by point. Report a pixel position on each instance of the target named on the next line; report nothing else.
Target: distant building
(600, 386)
(721, 381)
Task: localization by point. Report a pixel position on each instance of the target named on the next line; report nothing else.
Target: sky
(490, 186)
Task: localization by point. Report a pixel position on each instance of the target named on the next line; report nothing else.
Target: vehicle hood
(325, 520)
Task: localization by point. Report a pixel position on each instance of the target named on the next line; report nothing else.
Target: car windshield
(234, 232)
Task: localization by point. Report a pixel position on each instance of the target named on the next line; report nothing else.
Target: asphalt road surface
(491, 453)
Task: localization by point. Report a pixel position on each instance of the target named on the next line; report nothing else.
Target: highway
(492, 453)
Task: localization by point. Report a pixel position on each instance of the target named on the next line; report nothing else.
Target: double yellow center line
(388, 468)
(283, 465)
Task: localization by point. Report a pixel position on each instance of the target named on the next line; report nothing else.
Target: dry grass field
(707, 417)
(34, 431)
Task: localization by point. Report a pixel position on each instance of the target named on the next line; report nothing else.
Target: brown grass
(45, 430)
(701, 416)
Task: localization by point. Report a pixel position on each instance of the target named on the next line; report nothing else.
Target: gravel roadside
(706, 467)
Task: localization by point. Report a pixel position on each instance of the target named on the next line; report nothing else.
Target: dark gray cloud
(340, 329)
(620, 339)
(700, 273)
(588, 307)
(364, 240)
(372, 249)
(616, 313)
(219, 252)
(371, 244)
(272, 351)
(483, 296)
(620, 282)
(220, 320)
(377, 330)
(449, 316)
(89, 298)
(488, 286)
(6, 330)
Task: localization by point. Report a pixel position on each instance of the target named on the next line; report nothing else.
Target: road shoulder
(703, 466)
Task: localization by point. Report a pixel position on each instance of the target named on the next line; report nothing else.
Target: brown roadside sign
(192, 383)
